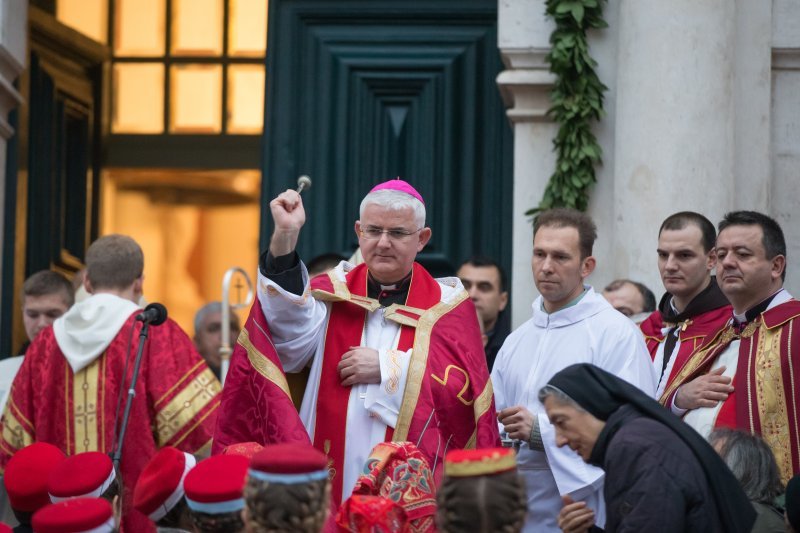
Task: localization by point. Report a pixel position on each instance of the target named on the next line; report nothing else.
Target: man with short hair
(208, 334)
(69, 387)
(46, 296)
(485, 281)
(570, 324)
(693, 305)
(394, 353)
(745, 374)
(631, 298)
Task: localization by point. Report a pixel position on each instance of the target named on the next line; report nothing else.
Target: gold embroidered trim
(771, 398)
(696, 360)
(490, 464)
(181, 381)
(793, 397)
(482, 404)
(395, 372)
(180, 410)
(262, 364)
(419, 362)
(85, 407)
(13, 432)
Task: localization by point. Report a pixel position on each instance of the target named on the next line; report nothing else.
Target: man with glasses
(394, 353)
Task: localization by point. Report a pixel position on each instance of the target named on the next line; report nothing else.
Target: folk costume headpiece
(289, 464)
(482, 462)
(215, 485)
(83, 475)
(160, 485)
(79, 515)
(27, 474)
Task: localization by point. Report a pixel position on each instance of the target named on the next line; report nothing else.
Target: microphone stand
(131, 394)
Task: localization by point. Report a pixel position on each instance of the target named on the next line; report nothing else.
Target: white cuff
(674, 408)
(384, 399)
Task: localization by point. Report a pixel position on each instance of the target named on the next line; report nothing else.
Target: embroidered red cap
(83, 475)
(79, 515)
(160, 485)
(487, 461)
(398, 185)
(215, 485)
(247, 449)
(27, 473)
(371, 514)
(289, 464)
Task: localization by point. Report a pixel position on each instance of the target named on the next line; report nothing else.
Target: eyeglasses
(372, 233)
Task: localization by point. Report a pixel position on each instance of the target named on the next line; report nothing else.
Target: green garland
(577, 99)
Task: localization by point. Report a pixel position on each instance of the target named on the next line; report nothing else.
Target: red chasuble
(693, 332)
(448, 401)
(766, 397)
(256, 403)
(175, 404)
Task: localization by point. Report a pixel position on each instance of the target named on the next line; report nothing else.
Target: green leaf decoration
(576, 102)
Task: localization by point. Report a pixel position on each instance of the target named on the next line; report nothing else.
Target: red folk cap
(215, 485)
(247, 449)
(83, 475)
(289, 464)
(368, 514)
(160, 485)
(27, 473)
(483, 462)
(79, 515)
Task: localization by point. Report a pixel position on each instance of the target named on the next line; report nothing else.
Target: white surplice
(590, 331)
(298, 324)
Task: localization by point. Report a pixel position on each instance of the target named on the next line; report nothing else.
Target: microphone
(154, 314)
(303, 183)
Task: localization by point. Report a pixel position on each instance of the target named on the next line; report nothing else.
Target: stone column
(13, 39)
(523, 38)
(674, 145)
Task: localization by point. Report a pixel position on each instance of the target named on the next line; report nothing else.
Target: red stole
(346, 329)
(766, 397)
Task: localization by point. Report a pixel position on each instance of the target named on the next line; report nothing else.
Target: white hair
(395, 201)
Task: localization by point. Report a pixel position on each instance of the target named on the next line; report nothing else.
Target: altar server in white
(570, 324)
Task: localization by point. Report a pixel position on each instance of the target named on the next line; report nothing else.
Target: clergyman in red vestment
(66, 392)
(746, 374)
(693, 305)
(395, 355)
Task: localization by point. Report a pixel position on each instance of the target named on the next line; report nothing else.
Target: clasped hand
(518, 422)
(359, 365)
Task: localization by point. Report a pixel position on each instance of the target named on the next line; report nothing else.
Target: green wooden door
(359, 91)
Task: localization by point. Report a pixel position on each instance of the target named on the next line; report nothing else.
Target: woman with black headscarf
(661, 476)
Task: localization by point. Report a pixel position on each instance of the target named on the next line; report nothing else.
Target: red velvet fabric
(253, 408)
(42, 401)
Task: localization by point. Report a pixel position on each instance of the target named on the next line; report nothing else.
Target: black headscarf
(601, 394)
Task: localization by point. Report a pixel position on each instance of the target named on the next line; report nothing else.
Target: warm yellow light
(138, 90)
(197, 27)
(196, 99)
(246, 98)
(139, 27)
(90, 17)
(247, 29)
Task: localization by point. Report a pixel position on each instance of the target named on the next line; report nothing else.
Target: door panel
(362, 91)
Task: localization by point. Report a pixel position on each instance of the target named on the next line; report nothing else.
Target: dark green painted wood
(9, 239)
(359, 91)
